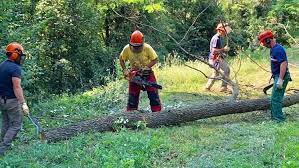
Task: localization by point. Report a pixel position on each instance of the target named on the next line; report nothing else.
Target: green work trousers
(277, 98)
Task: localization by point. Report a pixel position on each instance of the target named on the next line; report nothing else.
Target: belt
(7, 97)
(4, 98)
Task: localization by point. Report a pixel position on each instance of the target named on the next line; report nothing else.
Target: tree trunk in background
(169, 117)
(107, 28)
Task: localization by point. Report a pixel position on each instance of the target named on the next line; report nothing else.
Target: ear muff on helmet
(12, 55)
(268, 41)
(14, 51)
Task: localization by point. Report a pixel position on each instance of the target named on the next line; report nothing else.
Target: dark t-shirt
(216, 42)
(278, 55)
(8, 69)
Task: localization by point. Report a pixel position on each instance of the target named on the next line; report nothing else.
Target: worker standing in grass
(12, 101)
(216, 57)
(280, 73)
(142, 57)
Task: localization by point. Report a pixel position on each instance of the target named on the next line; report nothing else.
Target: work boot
(229, 89)
(223, 89)
(3, 149)
(1, 154)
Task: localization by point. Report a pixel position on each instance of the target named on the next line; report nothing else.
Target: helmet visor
(136, 44)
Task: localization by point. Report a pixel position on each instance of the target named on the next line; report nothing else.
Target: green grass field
(241, 140)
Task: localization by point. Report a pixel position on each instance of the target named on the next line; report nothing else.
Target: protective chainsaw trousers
(152, 93)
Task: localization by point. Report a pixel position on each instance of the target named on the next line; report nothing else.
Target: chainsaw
(139, 77)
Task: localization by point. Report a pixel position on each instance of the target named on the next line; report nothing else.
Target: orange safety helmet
(136, 38)
(14, 51)
(265, 35)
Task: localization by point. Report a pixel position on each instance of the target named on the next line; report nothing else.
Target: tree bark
(168, 117)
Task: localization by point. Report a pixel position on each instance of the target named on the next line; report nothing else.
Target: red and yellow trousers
(152, 94)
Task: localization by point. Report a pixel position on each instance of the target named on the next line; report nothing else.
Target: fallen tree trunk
(170, 117)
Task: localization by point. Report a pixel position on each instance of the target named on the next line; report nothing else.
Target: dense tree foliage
(74, 44)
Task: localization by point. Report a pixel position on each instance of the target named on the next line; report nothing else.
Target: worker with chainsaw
(216, 56)
(12, 102)
(280, 73)
(141, 57)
